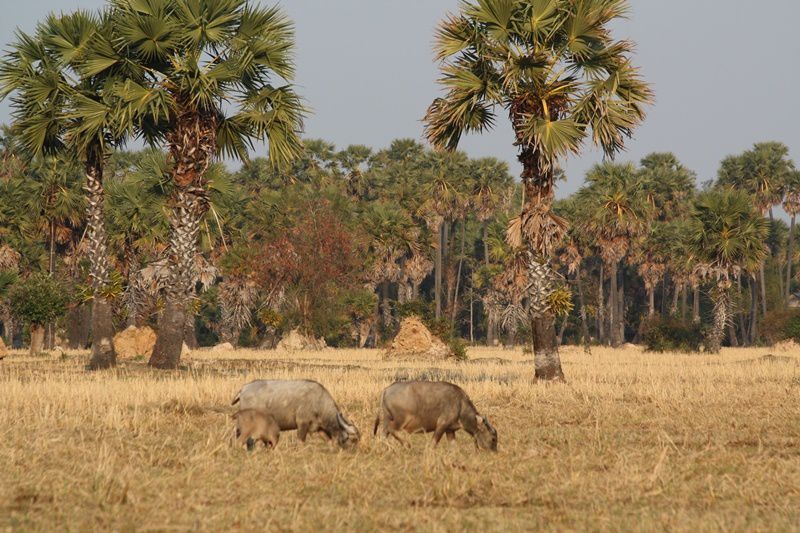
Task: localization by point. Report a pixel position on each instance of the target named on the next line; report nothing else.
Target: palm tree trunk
(651, 301)
(696, 305)
(753, 310)
(763, 290)
(720, 297)
(562, 329)
(458, 275)
(581, 301)
(103, 354)
(386, 309)
(621, 306)
(673, 307)
(486, 242)
(50, 328)
(189, 206)
(732, 335)
(789, 260)
(684, 300)
(539, 196)
(601, 318)
(613, 308)
(490, 326)
(438, 262)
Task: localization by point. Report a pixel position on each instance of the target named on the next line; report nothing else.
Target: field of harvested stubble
(633, 441)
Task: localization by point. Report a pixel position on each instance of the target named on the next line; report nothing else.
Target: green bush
(792, 329)
(669, 334)
(38, 300)
(458, 346)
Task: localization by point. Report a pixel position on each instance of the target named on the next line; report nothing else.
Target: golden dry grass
(633, 441)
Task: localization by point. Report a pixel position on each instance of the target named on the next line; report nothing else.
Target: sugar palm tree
(215, 78)
(60, 104)
(616, 212)
(555, 69)
(762, 172)
(446, 198)
(490, 193)
(791, 204)
(728, 237)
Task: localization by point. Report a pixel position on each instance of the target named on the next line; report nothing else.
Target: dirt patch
(295, 341)
(135, 342)
(415, 341)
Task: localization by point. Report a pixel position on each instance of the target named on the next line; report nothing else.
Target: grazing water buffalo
(302, 405)
(432, 406)
(254, 425)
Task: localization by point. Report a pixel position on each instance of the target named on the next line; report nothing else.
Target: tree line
(341, 243)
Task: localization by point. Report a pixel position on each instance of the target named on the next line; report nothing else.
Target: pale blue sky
(725, 74)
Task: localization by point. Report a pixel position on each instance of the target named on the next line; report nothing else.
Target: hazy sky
(725, 74)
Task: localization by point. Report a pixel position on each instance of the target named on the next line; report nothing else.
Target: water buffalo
(302, 405)
(432, 406)
(254, 425)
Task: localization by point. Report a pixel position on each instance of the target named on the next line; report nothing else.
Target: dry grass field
(633, 441)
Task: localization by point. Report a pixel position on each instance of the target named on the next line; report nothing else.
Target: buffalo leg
(437, 435)
(451, 435)
(302, 431)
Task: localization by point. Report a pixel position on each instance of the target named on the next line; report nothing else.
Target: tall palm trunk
(613, 306)
(621, 306)
(458, 275)
(192, 146)
(190, 204)
(753, 310)
(789, 260)
(538, 203)
(763, 289)
(582, 302)
(49, 340)
(486, 242)
(103, 353)
(720, 297)
(696, 305)
(651, 301)
(601, 316)
(438, 263)
(545, 341)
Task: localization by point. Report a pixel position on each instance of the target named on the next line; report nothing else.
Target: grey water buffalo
(432, 406)
(302, 405)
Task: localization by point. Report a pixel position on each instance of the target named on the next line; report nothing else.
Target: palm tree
(445, 200)
(791, 204)
(616, 212)
(63, 103)
(199, 61)
(554, 67)
(393, 237)
(762, 172)
(728, 238)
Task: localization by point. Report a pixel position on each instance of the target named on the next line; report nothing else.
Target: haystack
(295, 341)
(415, 341)
(224, 347)
(135, 342)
